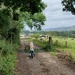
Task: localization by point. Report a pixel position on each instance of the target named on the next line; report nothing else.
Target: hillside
(69, 28)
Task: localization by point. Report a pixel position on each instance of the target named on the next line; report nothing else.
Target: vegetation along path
(42, 64)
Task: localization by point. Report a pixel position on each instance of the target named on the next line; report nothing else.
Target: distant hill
(69, 28)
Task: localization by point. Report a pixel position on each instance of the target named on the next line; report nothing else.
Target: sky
(55, 17)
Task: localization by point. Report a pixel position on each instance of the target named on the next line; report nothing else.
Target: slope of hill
(69, 28)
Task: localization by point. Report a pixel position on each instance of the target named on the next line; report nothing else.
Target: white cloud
(55, 16)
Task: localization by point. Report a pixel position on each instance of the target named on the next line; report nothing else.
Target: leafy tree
(16, 6)
(69, 5)
(4, 23)
(36, 20)
(10, 15)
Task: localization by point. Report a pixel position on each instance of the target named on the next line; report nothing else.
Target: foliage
(35, 36)
(15, 6)
(56, 33)
(7, 57)
(11, 22)
(36, 20)
(8, 27)
(69, 5)
(4, 23)
(11, 25)
(25, 5)
(44, 45)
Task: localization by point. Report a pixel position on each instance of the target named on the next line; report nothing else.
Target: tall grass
(43, 44)
(7, 57)
(61, 45)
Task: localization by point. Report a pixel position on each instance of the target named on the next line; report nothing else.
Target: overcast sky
(55, 16)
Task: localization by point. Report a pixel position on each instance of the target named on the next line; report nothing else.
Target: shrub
(7, 57)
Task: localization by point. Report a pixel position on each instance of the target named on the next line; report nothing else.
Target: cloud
(55, 16)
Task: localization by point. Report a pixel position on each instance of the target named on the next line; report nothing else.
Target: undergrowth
(7, 57)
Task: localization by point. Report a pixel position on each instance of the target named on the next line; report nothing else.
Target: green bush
(27, 49)
(7, 57)
(7, 65)
(43, 44)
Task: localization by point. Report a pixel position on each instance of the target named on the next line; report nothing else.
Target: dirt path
(42, 64)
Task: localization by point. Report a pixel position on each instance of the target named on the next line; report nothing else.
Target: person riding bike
(31, 49)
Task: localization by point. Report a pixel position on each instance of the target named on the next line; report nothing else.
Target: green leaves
(33, 21)
(14, 14)
(69, 6)
(4, 23)
(30, 24)
(7, 57)
(32, 6)
(39, 17)
(38, 20)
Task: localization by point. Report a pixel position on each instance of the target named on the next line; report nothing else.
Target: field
(59, 43)
(70, 45)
